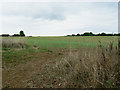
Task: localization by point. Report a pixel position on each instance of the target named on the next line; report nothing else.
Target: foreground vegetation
(61, 62)
(84, 68)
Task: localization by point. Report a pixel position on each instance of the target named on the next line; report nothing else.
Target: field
(60, 62)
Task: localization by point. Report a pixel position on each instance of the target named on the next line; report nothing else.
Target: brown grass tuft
(13, 42)
(85, 68)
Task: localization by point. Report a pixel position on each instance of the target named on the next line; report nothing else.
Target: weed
(88, 68)
(8, 43)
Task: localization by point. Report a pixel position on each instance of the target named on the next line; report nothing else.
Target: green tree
(22, 33)
(73, 34)
(103, 34)
(78, 34)
(88, 34)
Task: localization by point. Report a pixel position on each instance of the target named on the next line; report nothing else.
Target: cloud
(34, 10)
(54, 18)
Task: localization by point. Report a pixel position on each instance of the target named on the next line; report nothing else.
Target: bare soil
(20, 75)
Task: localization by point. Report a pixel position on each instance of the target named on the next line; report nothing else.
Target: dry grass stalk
(13, 42)
(86, 68)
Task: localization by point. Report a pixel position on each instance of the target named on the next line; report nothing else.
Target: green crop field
(80, 61)
(67, 42)
(73, 42)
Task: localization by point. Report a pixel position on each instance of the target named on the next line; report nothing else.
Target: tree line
(91, 34)
(21, 34)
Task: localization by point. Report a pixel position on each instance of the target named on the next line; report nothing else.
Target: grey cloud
(35, 10)
(59, 18)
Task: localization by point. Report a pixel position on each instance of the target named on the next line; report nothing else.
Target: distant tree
(91, 34)
(109, 34)
(115, 34)
(22, 33)
(5, 35)
(73, 34)
(103, 34)
(68, 35)
(16, 35)
(78, 34)
(118, 34)
(88, 34)
(99, 34)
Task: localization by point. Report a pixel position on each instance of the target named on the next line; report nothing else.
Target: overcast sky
(59, 18)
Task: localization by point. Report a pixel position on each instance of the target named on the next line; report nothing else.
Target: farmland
(73, 42)
(55, 62)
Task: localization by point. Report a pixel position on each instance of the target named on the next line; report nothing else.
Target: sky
(58, 18)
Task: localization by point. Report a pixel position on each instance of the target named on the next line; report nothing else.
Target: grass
(21, 55)
(74, 42)
(13, 47)
(86, 68)
(58, 42)
(90, 61)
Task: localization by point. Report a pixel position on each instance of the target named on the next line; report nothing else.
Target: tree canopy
(22, 33)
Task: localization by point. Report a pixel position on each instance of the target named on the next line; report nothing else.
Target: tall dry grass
(14, 42)
(85, 68)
